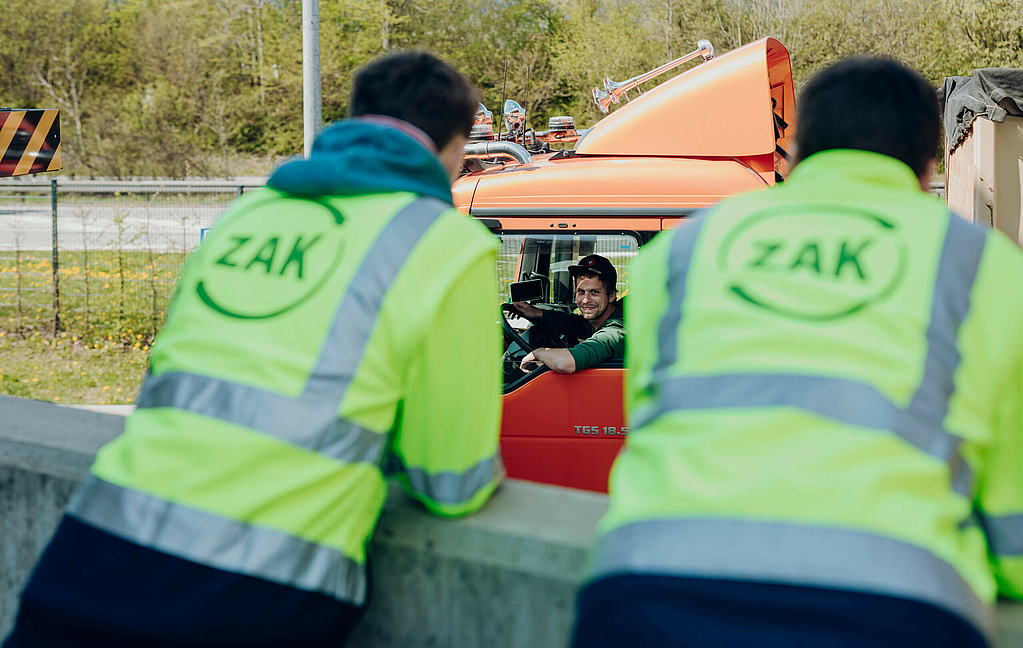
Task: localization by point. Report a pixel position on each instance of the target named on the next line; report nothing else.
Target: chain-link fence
(99, 259)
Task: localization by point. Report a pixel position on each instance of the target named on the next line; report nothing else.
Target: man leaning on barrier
(825, 392)
(307, 347)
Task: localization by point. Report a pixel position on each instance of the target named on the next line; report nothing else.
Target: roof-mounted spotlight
(514, 115)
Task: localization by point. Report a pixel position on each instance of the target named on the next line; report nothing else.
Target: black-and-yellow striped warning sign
(29, 141)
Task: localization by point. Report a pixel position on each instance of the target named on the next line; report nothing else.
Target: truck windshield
(546, 256)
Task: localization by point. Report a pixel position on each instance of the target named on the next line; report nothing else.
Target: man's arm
(558, 360)
(606, 344)
(569, 324)
(445, 448)
(558, 321)
(1000, 499)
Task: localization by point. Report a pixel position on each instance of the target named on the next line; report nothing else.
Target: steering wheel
(515, 337)
(512, 334)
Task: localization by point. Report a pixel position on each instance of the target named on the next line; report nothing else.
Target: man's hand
(558, 360)
(524, 309)
(530, 362)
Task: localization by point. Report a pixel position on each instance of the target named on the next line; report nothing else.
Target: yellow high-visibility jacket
(308, 352)
(825, 388)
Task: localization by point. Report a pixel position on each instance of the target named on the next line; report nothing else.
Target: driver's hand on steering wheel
(525, 309)
(529, 363)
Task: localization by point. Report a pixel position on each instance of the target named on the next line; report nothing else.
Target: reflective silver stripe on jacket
(683, 241)
(785, 553)
(346, 342)
(311, 424)
(1004, 534)
(920, 423)
(218, 542)
(448, 487)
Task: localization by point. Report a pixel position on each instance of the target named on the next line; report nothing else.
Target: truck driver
(600, 327)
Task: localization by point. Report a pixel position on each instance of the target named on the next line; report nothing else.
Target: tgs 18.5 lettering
(596, 430)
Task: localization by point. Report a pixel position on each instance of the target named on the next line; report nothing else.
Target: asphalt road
(160, 228)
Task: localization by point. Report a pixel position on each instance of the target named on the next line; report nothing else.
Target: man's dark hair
(419, 88)
(604, 281)
(871, 104)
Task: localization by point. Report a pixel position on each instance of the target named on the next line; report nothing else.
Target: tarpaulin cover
(990, 92)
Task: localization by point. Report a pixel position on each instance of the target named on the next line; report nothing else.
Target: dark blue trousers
(92, 589)
(669, 611)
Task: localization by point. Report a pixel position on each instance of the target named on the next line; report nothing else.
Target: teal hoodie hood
(366, 155)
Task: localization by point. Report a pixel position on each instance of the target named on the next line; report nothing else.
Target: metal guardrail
(131, 186)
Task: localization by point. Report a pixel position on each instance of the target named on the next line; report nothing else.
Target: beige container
(984, 175)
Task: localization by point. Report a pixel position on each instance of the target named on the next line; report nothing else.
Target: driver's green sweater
(605, 343)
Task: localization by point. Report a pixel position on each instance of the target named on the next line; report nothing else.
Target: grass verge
(67, 370)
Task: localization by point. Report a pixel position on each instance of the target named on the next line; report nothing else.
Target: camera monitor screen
(527, 291)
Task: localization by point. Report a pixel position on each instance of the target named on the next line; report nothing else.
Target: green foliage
(181, 87)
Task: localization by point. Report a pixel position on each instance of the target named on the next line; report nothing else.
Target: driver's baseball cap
(598, 265)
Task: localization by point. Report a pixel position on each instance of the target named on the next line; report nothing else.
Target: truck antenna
(503, 88)
(525, 107)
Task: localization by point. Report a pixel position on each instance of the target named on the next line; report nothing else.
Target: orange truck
(719, 128)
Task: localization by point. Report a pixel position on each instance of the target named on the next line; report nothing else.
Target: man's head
(870, 104)
(419, 88)
(595, 288)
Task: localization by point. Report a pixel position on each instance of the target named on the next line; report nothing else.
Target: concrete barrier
(506, 576)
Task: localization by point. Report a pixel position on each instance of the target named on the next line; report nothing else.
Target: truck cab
(717, 129)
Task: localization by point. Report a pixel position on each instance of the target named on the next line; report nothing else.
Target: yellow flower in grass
(56, 398)
(106, 388)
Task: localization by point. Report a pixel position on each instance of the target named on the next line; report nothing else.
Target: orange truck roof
(707, 133)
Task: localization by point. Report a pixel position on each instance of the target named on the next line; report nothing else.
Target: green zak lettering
(265, 255)
(813, 256)
(812, 263)
(256, 268)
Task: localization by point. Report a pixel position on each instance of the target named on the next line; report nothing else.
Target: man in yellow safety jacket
(307, 350)
(825, 390)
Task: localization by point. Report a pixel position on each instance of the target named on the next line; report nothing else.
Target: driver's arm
(525, 309)
(606, 344)
(558, 360)
(567, 324)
